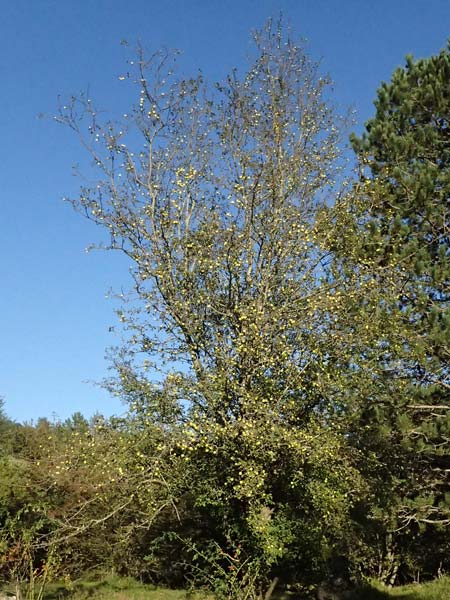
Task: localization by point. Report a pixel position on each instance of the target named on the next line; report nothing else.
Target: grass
(128, 589)
(434, 590)
(115, 588)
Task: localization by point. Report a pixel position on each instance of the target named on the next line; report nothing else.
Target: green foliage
(213, 195)
(287, 366)
(402, 234)
(26, 523)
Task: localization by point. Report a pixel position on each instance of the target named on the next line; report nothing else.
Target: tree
(213, 195)
(405, 235)
(407, 147)
(6, 426)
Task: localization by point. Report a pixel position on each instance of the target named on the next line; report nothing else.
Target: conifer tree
(406, 236)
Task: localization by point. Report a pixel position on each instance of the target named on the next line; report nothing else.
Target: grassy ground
(126, 589)
(112, 589)
(434, 590)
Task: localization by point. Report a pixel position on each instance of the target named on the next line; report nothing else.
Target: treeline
(297, 318)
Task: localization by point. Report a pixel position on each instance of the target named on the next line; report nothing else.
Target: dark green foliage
(407, 147)
(406, 224)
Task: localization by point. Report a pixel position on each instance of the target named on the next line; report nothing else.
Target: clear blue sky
(54, 317)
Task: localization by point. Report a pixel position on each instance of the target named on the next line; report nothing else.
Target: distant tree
(5, 426)
(77, 422)
(4, 421)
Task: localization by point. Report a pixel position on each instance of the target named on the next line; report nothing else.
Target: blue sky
(54, 316)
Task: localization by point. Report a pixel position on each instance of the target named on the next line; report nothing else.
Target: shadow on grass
(369, 592)
(84, 590)
(366, 592)
(80, 590)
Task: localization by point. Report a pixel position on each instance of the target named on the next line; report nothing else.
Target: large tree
(213, 195)
(404, 235)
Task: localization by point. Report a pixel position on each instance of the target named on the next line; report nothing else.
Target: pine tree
(406, 149)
